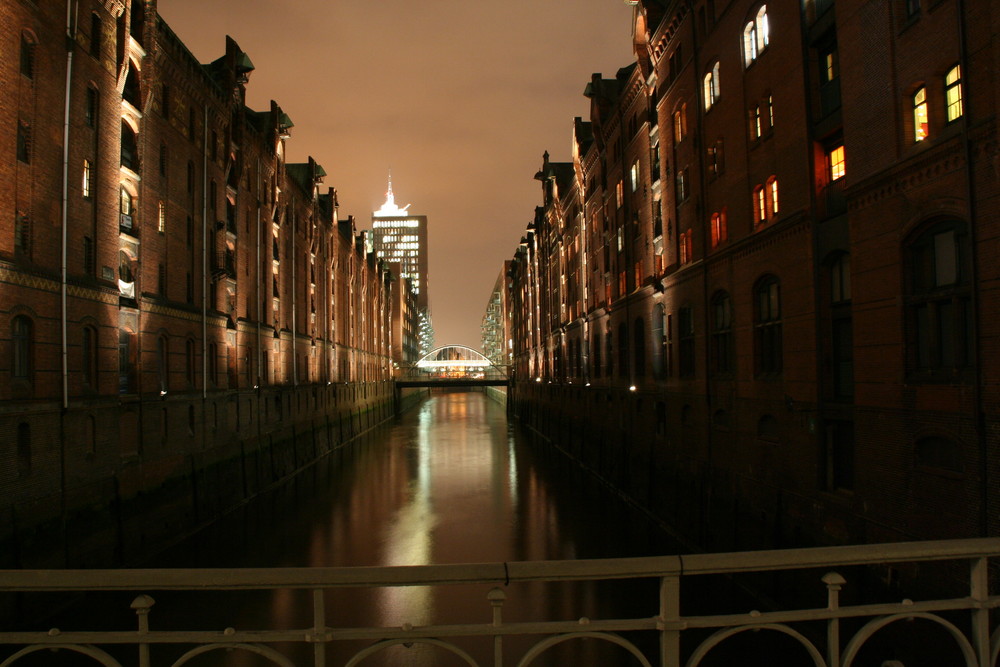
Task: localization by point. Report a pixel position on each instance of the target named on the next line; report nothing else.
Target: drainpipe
(260, 352)
(204, 259)
(295, 335)
(977, 387)
(71, 10)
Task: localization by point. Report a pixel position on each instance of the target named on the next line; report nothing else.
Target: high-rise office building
(399, 236)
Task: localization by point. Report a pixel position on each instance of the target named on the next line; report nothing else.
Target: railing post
(319, 628)
(142, 605)
(979, 584)
(496, 596)
(669, 623)
(834, 582)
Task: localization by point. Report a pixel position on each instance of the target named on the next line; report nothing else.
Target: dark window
(722, 334)
(841, 328)
(767, 326)
(659, 341)
(89, 256)
(164, 159)
(89, 365)
(91, 109)
(24, 141)
(189, 361)
(130, 148)
(23, 449)
(623, 350)
(639, 343)
(596, 361)
(124, 361)
(838, 463)
(685, 322)
(22, 235)
(940, 453)
(939, 301)
(21, 330)
(27, 56)
(912, 8)
(96, 35)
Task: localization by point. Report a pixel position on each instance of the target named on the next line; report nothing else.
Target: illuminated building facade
(496, 340)
(398, 236)
(179, 304)
(758, 296)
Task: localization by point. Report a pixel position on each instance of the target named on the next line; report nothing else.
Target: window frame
(768, 342)
(953, 85)
(920, 114)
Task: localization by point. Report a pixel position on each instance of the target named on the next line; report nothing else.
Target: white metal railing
(978, 646)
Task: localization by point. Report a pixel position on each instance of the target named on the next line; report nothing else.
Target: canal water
(447, 482)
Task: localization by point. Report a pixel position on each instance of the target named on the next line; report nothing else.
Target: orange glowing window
(920, 115)
(835, 163)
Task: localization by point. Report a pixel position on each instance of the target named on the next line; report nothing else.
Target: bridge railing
(414, 372)
(972, 637)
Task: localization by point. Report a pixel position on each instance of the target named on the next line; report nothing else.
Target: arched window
(939, 316)
(710, 87)
(22, 342)
(749, 44)
(771, 188)
(130, 92)
(722, 334)
(680, 123)
(763, 29)
(919, 99)
(767, 326)
(639, 343)
(759, 206)
(96, 35)
(720, 230)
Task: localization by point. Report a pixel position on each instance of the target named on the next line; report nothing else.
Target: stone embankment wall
(93, 504)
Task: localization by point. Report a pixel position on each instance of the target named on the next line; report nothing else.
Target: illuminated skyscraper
(399, 236)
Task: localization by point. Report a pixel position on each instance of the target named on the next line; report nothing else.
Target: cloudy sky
(460, 99)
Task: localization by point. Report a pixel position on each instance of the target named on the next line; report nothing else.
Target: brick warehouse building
(183, 318)
(758, 299)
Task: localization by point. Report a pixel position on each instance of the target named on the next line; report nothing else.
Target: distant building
(401, 237)
(497, 346)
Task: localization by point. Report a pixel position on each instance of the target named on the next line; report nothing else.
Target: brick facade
(211, 306)
(757, 299)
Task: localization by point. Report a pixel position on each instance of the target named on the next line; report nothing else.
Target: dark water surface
(447, 482)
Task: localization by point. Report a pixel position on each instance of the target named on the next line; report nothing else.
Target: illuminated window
(686, 241)
(828, 65)
(720, 231)
(161, 217)
(759, 207)
(756, 37)
(953, 93)
(920, 114)
(772, 196)
(835, 163)
(680, 123)
(711, 89)
(86, 179)
(770, 112)
(763, 29)
(634, 174)
(619, 198)
(749, 44)
(682, 184)
(755, 128)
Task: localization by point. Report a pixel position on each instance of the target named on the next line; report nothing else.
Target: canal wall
(119, 481)
(687, 473)
(498, 394)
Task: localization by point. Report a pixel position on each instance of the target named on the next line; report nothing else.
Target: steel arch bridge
(452, 365)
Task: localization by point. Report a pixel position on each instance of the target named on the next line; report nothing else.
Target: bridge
(452, 366)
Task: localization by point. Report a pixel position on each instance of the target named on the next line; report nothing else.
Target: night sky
(460, 99)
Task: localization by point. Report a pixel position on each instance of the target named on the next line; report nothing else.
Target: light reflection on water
(446, 483)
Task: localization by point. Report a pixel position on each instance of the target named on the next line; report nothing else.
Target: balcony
(830, 633)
